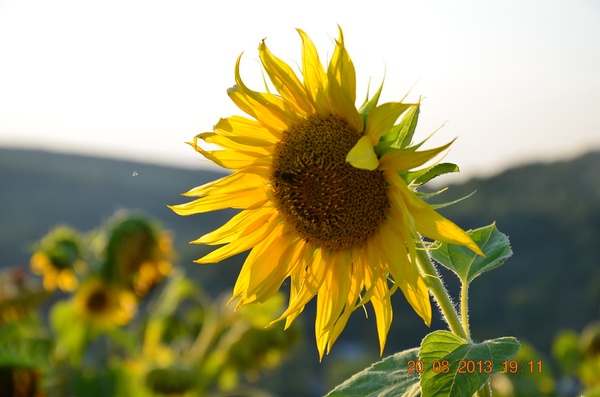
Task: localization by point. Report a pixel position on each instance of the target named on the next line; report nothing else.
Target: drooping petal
(239, 226)
(362, 155)
(402, 265)
(332, 297)
(382, 306)
(308, 279)
(242, 244)
(357, 281)
(427, 221)
(266, 267)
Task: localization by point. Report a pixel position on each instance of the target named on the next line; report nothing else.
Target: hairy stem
(464, 307)
(485, 391)
(434, 284)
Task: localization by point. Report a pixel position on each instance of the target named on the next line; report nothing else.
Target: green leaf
(72, 335)
(394, 376)
(420, 177)
(454, 367)
(23, 348)
(465, 263)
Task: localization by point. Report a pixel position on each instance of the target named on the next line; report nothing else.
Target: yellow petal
(427, 221)
(268, 109)
(314, 75)
(362, 155)
(241, 144)
(238, 126)
(382, 119)
(242, 244)
(233, 159)
(308, 279)
(416, 293)
(266, 267)
(356, 280)
(334, 291)
(285, 81)
(239, 226)
(382, 306)
(229, 184)
(341, 85)
(244, 199)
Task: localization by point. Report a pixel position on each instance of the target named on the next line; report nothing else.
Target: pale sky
(516, 81)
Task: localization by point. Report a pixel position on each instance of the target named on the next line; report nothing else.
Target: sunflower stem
(434, 284)
(464, 307)
(485, 391)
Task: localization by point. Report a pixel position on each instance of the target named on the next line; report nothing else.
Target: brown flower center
(330, 203)
(98, 301)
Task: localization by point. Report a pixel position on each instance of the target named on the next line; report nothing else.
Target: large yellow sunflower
(324, 196)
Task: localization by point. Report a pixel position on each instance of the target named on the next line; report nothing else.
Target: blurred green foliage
(108, 338)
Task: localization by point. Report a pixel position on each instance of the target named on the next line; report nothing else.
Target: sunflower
(138, 255)
(155, 269)
(104, 305)
(325, 192)
(58, 259)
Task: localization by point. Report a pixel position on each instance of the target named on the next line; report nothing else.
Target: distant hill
(39, 190)
(551, 212)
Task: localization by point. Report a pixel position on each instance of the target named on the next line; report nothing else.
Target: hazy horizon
(517, 82)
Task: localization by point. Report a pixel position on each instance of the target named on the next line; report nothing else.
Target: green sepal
(449, 203)
(394, 376)
(453, 367)
(465, 263)
(402, 133)
(420, 177)
(425, 196)
(369, 104)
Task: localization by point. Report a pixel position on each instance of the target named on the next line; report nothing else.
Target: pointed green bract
(394, 376)
(401, 135)
(370, 104)
(454, 367)
(420, 177)
(449, 203)
(465, 263)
